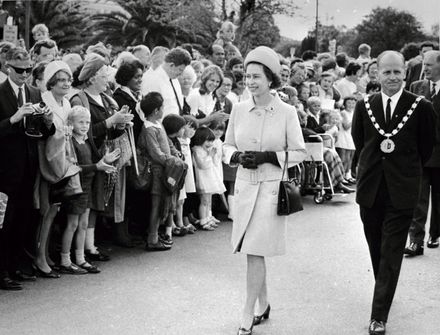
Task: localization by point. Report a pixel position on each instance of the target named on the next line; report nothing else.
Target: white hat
(53, 67)
(266, 56)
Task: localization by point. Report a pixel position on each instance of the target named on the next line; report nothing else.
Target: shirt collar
(15, 87)
(393, 98)
(148, 124)
(129, 92)
(437, 85)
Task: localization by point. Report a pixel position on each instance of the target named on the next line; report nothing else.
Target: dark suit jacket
(18, 152)
(423, 87)
(413, 74)
(313, 125)
(402, 168)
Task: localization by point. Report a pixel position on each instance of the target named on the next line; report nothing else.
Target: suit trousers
(429, 184)
(386, 229)
(18, 230)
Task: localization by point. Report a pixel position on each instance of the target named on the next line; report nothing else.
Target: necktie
(177, 98)
(20, 97)
(388, 112)
(433, 91)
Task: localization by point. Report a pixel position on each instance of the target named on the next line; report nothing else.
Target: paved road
(322, 286)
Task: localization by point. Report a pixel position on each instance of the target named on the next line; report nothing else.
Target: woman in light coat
(260, 132)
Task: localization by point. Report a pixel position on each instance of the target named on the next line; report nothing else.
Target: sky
(351, 13)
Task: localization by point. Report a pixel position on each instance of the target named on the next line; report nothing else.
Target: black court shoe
(259, 318)
(377, 327)
(243, 331)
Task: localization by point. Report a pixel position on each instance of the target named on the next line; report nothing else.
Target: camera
(38, 108)
(32, 123)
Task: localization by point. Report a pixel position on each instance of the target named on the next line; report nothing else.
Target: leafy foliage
(135, 22)
(382, 29)
(387, 28)
(257, 29)
(63, 18)
(156, 22)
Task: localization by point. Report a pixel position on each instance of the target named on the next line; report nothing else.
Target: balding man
(142, 52)
(430, 182)
(393, 132)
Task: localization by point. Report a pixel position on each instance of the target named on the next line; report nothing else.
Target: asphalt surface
(323, 285)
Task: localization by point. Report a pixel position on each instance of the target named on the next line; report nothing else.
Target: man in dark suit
(429, 88)
(18, 163)
(394, 135)
(416, 71)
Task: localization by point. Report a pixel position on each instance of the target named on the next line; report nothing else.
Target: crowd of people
(79, 133)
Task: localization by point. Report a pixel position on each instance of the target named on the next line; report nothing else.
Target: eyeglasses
(20, 70)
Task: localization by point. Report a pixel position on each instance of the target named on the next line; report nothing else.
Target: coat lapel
(10, 96)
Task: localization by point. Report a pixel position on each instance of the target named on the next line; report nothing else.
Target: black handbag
(289, 196)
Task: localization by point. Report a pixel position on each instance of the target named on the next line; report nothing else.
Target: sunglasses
(20, 70)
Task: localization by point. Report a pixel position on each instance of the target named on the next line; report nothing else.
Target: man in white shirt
(430, 183)
(164, 80)
(393, 132)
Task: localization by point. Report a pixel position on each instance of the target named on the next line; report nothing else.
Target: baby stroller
(315, 176)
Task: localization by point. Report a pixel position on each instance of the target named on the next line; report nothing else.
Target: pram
(315, 176)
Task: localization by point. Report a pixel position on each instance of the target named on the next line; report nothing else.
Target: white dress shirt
(15, 88)
(394, 99)
(159, 81)
(437, 86)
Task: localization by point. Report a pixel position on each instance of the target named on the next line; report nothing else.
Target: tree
(199, 21)
(156, 22)
(135, 22)
(248, 7)
(256, 24)
(285, 46)
(257, 29)
(387, 28)
(65, 20)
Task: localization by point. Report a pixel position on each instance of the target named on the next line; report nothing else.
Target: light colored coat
(257, 229)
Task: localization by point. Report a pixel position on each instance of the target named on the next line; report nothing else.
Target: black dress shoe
(433, 242)
(377, 327)
(159, 246)
(43, 274)
(99, 257)
(19, 276)
(8, 284)
(72, 269)
(90, 268)
(259, 318)
(341, 188)
(414, 249)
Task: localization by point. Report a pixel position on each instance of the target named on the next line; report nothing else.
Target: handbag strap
(285, 165)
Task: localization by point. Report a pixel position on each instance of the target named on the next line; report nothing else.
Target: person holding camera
(18, 164)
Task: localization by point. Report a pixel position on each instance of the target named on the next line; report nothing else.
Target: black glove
(260, 157)
(243, 158)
